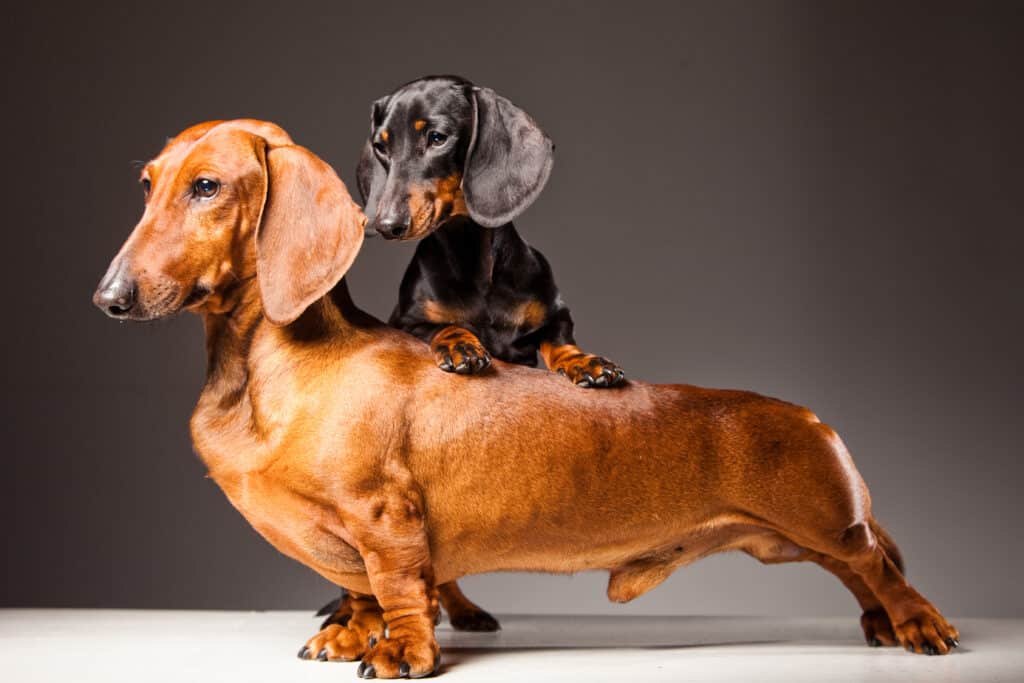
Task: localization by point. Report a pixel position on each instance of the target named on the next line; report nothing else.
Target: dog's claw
(303, 652)
(952, 642)
(366, 670)
(322, 655)
(472, 359)
(875, 642)
(403, 669)
(371, 641)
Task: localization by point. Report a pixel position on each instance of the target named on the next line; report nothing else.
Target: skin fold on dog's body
(340, 442)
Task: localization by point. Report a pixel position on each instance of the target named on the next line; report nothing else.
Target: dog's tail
(888, 545)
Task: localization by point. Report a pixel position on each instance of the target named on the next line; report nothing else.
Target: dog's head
(441, 147)
(228, 201)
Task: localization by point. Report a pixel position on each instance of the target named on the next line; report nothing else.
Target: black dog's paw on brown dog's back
(459, 351)
(452, 164)
(581, 368)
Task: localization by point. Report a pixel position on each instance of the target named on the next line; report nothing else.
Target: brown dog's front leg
(393, 543)
(458, 350)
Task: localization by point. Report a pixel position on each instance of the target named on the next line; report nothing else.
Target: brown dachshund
(338, 440)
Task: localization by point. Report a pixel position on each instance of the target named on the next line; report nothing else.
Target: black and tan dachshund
(451, 164)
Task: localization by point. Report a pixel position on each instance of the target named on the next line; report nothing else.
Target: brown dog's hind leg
(458, 350)
(347, 642)
(775, 549)
(874, 621)
(821, 503)
(917, 624)
(463, 613)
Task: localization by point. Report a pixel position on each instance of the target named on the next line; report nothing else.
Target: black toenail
(366, 670)
(875, 642)
(403, 669)
(322, 655)
(372, 641)
(303, 652)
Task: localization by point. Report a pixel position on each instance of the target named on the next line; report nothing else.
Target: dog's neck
(229, 343)
(470, 243)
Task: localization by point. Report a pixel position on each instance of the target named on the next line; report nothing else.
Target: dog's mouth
(167, 306)
(433, 213)
(197, 296)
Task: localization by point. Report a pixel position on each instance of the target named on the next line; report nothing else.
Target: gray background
(818, 202)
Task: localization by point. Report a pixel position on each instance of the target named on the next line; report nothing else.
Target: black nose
(116, 297)
(392, 228)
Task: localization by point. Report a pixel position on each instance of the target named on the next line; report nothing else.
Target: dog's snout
(393, 228)
(116, 296)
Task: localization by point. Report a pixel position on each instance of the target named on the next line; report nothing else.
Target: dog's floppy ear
(370, 174)
(508, 162)
(309, 233)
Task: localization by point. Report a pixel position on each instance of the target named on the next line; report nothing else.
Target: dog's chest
(506, 320)
(293, 523)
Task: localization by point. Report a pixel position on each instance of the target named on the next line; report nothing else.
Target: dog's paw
(878, 629)
(473, 620)
(337, 643)
(401, 657)
(459, 351)
(590, 371)
(927, 633)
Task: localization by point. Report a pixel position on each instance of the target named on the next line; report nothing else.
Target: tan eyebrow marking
(384, 135)
(420, 124)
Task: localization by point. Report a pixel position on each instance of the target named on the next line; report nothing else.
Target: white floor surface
(140, 645)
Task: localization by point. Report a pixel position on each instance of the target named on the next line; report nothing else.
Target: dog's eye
(435, 138)
(145, 186)
(206, 188)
